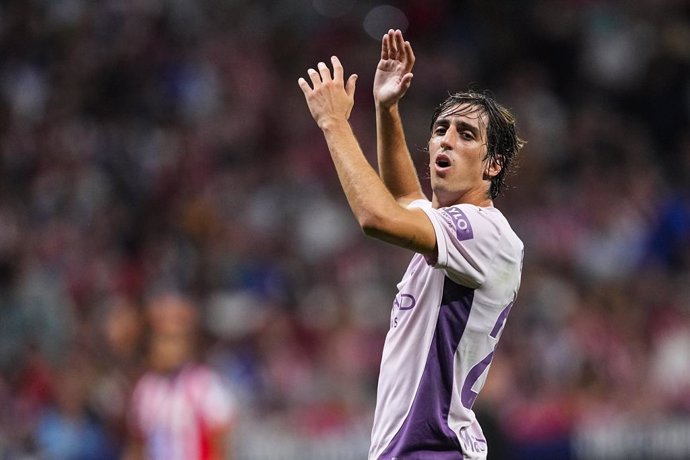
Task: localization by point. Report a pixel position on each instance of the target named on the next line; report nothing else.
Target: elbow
(371, 224)
(371, 232)
(381, 222)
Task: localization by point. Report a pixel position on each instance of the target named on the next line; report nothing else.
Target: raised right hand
(330, 98)
(393, 73)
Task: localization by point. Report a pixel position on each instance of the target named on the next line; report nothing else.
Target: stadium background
(166, 142)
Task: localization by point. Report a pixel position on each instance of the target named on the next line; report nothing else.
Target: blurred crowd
(153, 144)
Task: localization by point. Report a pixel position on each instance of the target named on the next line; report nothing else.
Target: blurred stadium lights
(382, 18)
(376, 22)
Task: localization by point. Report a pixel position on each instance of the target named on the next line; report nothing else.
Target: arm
(391, 82)
(330, 102)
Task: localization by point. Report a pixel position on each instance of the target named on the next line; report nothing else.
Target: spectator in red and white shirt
(181, 409)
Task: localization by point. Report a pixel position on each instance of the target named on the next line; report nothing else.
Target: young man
(455, 296)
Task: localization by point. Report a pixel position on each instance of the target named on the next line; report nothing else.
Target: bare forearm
(395, 163)
(367, 196)
(330, 100)
(376, 211)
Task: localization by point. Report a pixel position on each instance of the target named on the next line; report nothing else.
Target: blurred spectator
(181, 408)
(67, 430)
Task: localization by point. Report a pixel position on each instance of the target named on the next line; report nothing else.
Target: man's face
(457, 156)
(172, 315)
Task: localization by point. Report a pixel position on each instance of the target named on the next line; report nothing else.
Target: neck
(169, 353)
(480, 200)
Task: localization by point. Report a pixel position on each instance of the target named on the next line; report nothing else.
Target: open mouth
(442, 161)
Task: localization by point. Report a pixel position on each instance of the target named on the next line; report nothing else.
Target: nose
(448, 138)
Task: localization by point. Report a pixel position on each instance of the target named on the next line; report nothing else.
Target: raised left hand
(394, 71)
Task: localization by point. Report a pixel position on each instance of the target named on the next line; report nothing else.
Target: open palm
(393, 73)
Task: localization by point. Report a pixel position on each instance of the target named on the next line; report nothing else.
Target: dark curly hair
(502, 141)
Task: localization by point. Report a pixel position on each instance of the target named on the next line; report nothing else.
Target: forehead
(473, 114)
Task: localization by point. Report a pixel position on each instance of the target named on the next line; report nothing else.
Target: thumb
(406, 80)
(350, 86)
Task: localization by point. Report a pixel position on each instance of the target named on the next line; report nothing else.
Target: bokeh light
(383, 18)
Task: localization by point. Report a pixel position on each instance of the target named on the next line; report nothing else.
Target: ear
(493, 167)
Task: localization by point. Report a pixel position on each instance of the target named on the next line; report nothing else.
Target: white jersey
(177, 414)
(446, 320)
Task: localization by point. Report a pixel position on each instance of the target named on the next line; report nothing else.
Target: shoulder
(473, 223)
(200, 375)
(459, 216)
(205, 380)
(498, 219)
(147, 381)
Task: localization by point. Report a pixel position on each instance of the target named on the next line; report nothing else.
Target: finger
(350, 86)
(314, 76)
(393, 54)
(409, 54)
(324, 71)
(385, 47)
(306, 89)
(337, 68)
(399, 44)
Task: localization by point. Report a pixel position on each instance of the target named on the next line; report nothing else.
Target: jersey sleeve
(466, 240)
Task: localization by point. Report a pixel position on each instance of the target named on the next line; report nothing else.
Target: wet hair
(502, 141)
